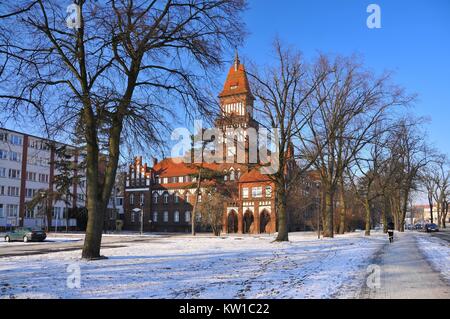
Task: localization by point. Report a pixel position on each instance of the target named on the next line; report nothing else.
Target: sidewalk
(405, 273)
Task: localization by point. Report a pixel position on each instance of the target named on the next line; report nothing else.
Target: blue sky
(414, 42)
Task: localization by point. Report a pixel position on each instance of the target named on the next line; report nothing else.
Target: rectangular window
(132, 199)
(165, 180)
(176, 217)
(15, 139)
(3, 136)
(43, 178)
(2, 213)
(13, 191)
(2, 172)
(155, 217)
(181, 179)
(2, 190)
(166, 217)
(245, 192)
(3, 154)
(187, 217)
(119, 201)
(15, 157)
(14, 173)
(31, 176)
(256, 192)
(268, 191)
(12, 210)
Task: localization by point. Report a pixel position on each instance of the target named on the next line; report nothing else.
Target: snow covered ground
(202, 267)
(437, 253)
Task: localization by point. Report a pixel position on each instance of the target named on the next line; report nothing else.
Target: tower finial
(236, 60)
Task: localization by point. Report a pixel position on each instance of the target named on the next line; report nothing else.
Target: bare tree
(283, 91)
(348, 104)
(114, 77)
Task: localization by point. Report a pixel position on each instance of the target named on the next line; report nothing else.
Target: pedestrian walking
(390, 230)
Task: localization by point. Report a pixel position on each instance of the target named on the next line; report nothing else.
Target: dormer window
(233, 87)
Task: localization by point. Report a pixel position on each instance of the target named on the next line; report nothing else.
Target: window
(29, 213)
(29, 192)
(181, 179)
(12, 210)
(245, 192)
(2, 172)
(3, 154)
(15, 139)
(43, 178)
(2, 213)
(232, 175)
(155, 217)
(268, 191)
(15, 157)
(187, 216)
(142, 199)
(31, 176)
(119, 201)
(200, 198)
(166, 198)
(3, 136)
(166, 217)
(133, 216)
(132, 199)
(13, 191)
(176, 198)
(165, 180)
(176, 216)
(155, 198)
(2, 190)
(238, 174)
(57, 212)
(14, 173)
(257, 192)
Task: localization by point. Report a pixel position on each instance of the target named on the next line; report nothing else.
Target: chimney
(155, 161)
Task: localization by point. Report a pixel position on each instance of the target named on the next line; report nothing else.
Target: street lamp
(44, 206)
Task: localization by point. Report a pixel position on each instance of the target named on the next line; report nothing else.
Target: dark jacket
(390, 227)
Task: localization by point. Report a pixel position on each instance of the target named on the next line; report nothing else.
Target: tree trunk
(384, 217)
(328, 229)
(343, 210)
(194, 208)
(283, 234)
(93, 238)
(368, 216)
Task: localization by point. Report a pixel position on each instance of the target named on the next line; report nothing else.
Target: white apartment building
(27, 166)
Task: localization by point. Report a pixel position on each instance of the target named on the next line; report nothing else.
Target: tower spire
(236, 60)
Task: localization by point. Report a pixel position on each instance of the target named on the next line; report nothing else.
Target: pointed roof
(237, 81)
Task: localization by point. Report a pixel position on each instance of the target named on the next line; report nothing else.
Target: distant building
(166, 191)
(27, 165)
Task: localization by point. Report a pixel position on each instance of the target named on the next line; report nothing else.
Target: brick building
(166, 191)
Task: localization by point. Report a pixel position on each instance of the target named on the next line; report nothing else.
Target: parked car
(431, 228)
(418, 226)
(410, 227)
(25, 234)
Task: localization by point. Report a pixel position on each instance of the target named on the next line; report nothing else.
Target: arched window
(166, 217)
(142, 199)
(176, 217)
(187, 197)
(155, 198)
(187, 216)
(232, 176)
(225, 175)
(132, 199)
(166, 198)
(238, 174)
(176, 198)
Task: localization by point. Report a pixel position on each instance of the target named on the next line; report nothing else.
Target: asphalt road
(66, 243)
(443, 234)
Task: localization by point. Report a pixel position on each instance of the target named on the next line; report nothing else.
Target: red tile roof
(237, 81)
(254, 176)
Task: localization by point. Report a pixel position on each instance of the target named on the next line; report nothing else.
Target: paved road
(66, 243)
(405, 274)
(443, 234)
